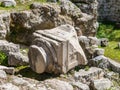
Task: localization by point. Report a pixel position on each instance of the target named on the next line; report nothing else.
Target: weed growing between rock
(3, 58)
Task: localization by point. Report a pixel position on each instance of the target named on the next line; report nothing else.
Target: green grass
(112, 51)
(108, 30)
(21, 7)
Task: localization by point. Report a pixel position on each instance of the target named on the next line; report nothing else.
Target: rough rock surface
(88, 75)
(8, 86)
(109, 10)
(8, 70)
(101, 84)
(8, 3)
(114, 66)
(90, 46)
(100, 61)
(7, 47)
(58, 85)
(4, 25)
(56, 50)
(3, 74)
(50, 16)
(80, 86)
(17, 59)
(89, 8)
(105, 63)
(19, 81)
(103, 42)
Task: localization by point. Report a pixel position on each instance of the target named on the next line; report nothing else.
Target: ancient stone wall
(109, 10)
(106, 10)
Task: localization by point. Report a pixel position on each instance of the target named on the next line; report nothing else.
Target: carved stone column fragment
(56, 50)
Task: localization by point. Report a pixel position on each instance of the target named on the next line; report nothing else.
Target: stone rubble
(57, 47)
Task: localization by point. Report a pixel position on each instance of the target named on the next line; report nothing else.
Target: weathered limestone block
(4, 24)
(114, 66)
(17, 59)
(55, 84)
(56, 50)
(92, 73)
(80, 86)
(100, 61)
(7, 47)
(101, 84)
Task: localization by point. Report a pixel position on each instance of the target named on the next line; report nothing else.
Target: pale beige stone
(56, 50)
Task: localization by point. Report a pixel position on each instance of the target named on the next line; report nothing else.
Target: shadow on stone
(27, 72)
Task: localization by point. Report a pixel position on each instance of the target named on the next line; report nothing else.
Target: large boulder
(24, 23)
(48, 16)
(56, 50)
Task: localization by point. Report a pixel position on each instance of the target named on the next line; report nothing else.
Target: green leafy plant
(108, 30)
(87, 68)
(3, 58)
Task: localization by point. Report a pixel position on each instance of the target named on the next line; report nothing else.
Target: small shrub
(3, 58)
(108, 30)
